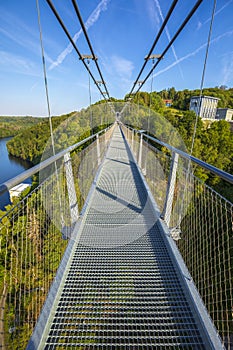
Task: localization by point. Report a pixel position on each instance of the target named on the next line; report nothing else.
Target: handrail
(221, 173)
(7, 185)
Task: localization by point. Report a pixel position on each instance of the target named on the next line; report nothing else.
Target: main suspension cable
(74, 45)
(154, 43)
(191, 13)
(89, 44)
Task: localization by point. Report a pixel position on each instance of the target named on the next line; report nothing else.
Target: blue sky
(121, 32)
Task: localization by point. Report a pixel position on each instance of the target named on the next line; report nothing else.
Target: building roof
(18, 189)
(226, 109)
(203, 96)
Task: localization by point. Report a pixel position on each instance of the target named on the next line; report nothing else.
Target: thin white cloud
(8, 18)
(118, 73)
(217, 12)
(223, 7)
(30, 44)
(168, 35)
(153, 15)
(20, 33)
(199, 25)
(227, 70)
(122, 67)
(34, 86)
(14, 28)
(193, 53)
(102, 6)
(18, 64)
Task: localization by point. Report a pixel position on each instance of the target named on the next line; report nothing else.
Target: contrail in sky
(220, 10)
(192, 53)
(102, 6)
(168, 35)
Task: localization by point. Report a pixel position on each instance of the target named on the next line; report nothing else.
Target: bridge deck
(121, 289)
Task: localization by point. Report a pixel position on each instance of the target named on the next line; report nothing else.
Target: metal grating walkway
(121, 289)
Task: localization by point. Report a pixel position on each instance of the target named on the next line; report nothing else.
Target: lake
(9, 167)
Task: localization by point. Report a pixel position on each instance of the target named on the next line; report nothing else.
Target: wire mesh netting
(206, 244)
(86, 164)
(31, 250)
(33, 241)
(201, 224)
(121, 288)
(155, 166)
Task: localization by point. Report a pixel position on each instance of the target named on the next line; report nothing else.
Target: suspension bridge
(122, 281)
(118, 245)
(121, 287)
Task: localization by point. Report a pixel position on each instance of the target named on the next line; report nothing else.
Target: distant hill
(11, 126)
(31, 137)
(30, 143)
(181, 98)
(213, 142)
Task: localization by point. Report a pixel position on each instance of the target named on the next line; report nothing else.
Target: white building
(225, 114)
(204, 106)
(17, 190)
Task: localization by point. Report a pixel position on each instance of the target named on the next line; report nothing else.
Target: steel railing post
(170, 188)
(71, 188)
(140, 152)
(98, 148)
(132, 139)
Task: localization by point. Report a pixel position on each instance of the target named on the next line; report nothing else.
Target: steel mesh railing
(155, 166)
(206, 244)
(86, 165)
(32, 247)
(34, 234)
(201, 223)
(119, 287)
(33, 230)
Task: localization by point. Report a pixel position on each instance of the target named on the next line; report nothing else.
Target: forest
(33, 241)
(28, 228)
(11, 126)
(30, 144)
(181, 99)
(213, 141)
(30, 141)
